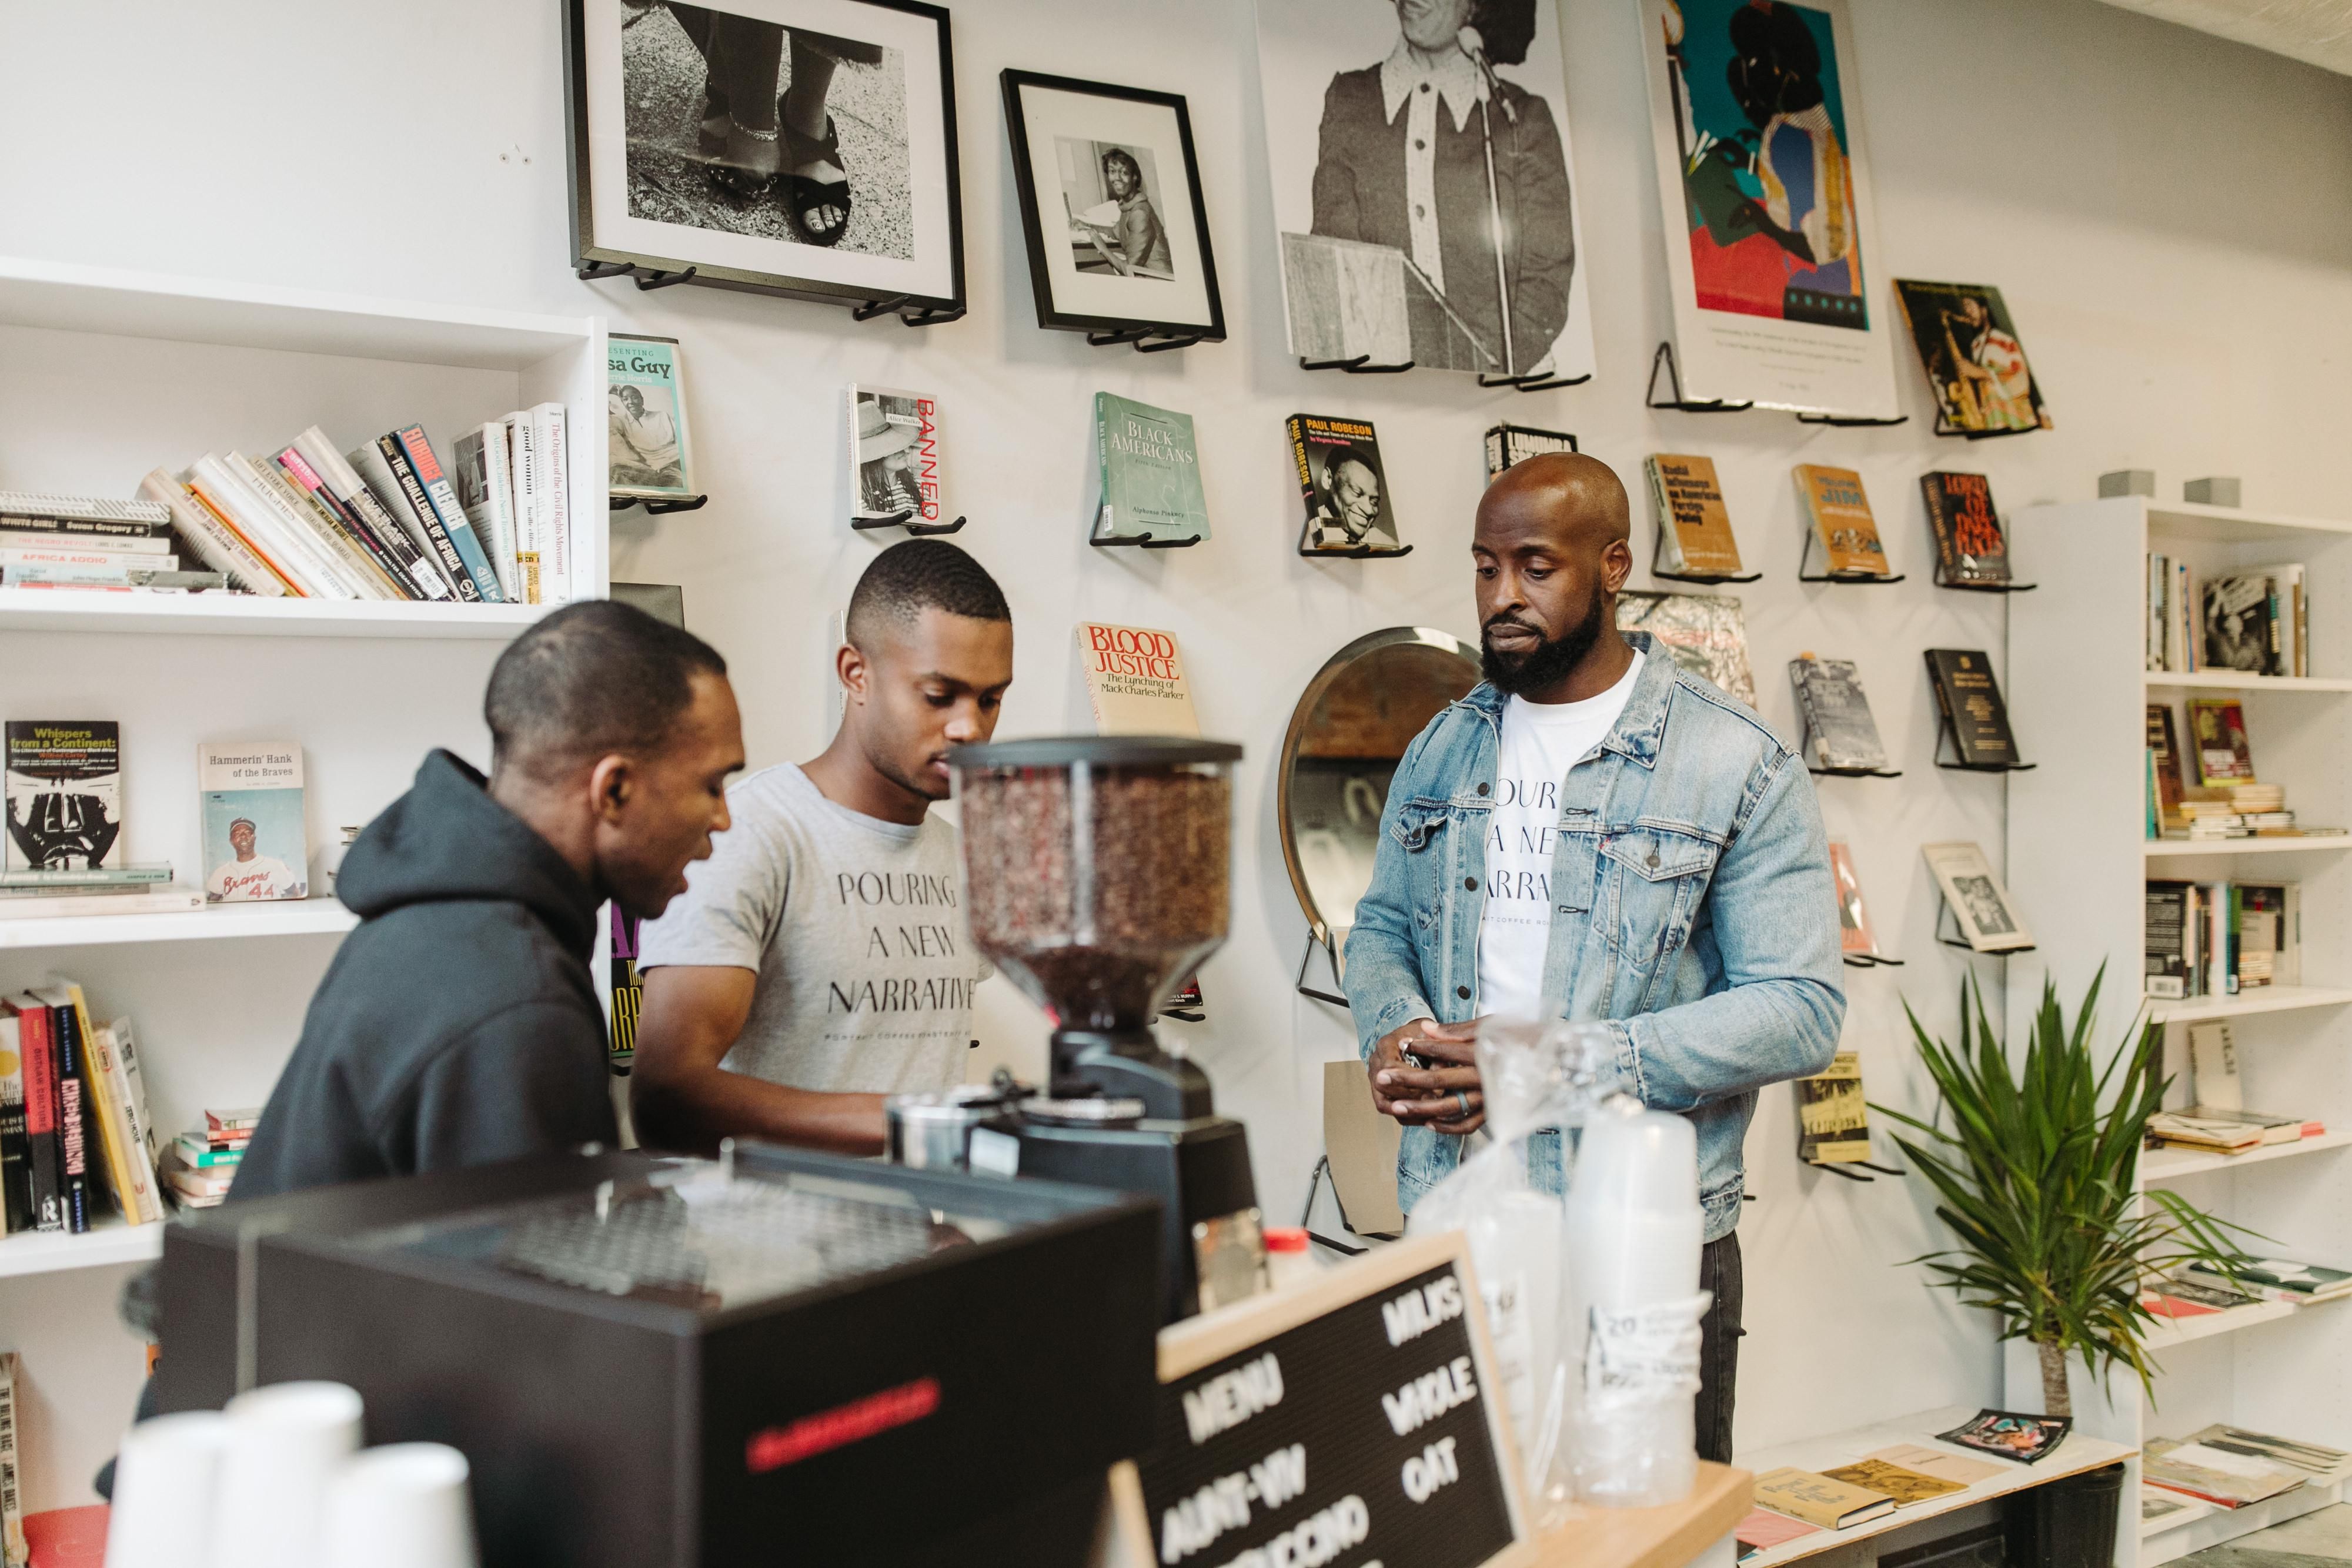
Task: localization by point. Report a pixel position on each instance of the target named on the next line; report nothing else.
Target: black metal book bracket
(1361, 365)
(1142, 541)
(902, 518)
(1658, 550)
(1846, 1168)
(895, 305)
(1850, 420)
(1533, 383)
(1871, 961)
(1319, 937)
(1946, 920)
(655, 506)
(1805, 745)
(1665, 356)
(643, 276)
(1356, 552)
(1945, 739)
(1147, 339)
(1807, 572)
(1323, 1174)
(2002, 587)
(1946, 427)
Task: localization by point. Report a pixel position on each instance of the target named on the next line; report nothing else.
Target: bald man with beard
(1597, 834)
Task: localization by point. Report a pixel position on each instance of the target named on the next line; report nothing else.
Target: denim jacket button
(1653, 861)
(1462, 991)
(1484, 789)
(1471, 883)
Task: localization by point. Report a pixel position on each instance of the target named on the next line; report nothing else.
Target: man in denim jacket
(1594, 833)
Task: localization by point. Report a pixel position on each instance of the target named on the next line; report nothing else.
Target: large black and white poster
(801, 145)
(1424, 186)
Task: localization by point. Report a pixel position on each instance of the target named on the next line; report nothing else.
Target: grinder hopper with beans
(1097, 874)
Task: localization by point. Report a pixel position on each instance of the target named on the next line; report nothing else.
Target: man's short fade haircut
(918, 574)
(589, 680)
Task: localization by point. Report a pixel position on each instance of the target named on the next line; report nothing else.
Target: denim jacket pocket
(1661, 873)
(1416, 820)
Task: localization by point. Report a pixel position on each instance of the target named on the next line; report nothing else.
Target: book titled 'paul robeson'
(64, 789)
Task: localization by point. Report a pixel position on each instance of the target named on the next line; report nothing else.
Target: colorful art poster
(1771, 252)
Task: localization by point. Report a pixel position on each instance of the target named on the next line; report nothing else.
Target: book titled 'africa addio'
(1151, 473)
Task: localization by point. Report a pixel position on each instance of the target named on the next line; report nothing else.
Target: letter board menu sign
(1348, 1423)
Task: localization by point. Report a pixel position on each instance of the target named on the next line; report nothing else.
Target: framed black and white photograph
(1110, 204)
(798, 147)
(1423, 185)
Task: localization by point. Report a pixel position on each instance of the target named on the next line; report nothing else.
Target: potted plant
(2034, 1177)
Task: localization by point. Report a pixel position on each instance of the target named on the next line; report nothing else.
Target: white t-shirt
(1540, 742)
(263, 876)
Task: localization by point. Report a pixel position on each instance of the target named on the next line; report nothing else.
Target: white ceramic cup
(286, 1442)
(403, 1505)
(164, 1477)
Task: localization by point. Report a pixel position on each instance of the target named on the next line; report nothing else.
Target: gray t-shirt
(856, 928)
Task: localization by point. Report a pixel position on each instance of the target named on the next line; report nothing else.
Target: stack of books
(2231, 1467)
(76, 1141)
(2256, 620)
(2219, 938)
(2215, 820)
(37, 893)
(2224, 1131)
(80, 542)
(2281, 1279)
(202, 1162)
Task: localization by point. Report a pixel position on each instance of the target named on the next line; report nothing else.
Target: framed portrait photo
(1111, 203)
(805, 148)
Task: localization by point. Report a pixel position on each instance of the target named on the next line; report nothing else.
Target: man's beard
(1516, 674)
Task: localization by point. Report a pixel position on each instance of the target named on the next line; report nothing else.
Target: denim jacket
(1692, 911)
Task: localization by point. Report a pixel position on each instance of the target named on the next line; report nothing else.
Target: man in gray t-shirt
(819, 960)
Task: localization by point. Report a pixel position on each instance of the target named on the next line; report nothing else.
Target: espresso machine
(1096, 875)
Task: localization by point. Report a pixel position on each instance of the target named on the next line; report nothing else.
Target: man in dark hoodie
(459, 1024)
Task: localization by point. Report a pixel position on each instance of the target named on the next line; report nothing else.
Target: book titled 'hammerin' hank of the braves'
(254, 844)
(64, 788)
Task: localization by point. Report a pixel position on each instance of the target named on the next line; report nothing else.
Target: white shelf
(249, 615)
(2259, 1000)
(2075, 1454)
(2211, 1527)
(2192, 1509)
(47, 1252)
(2314, 843)
(2239, 681)
(2167, 1164)
(2233, 525)
(305, 917)
(65, 297)
(2168, 1331)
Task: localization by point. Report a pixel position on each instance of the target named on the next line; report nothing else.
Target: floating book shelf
(1533, 383)
(643, 276)
(1806, 572)
(1851, 421)
(1361, 365)
(1146, 340)
(1946, 427)
(1142, 541)
(1943, 581)
(1947, 932)
(1871, 961)
(657, 507)
(1665, 356)
(903, 518)
(1705, 578)
(1356, 552)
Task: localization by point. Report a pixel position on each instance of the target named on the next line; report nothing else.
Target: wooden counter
(1666, 1537)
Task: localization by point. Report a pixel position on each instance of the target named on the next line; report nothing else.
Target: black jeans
(1718, 1348)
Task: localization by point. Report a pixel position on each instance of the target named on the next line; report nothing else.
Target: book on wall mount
(894, 456)
(63, 793)
(1832, 1119)
(1968, 699)
(1344, 487)
(1135, 681)
(1989, 922)
(1509, 444)
(1148, 474)
(1855, 935)
(648, 455)
(1841, 736)
(1702, 632)
(1694, 531)
(1972, 549)
(1839, 509)
(255, 844)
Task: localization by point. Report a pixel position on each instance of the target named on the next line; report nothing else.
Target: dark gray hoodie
(459, 1023)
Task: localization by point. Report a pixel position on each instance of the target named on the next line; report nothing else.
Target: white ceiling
(2319, 31)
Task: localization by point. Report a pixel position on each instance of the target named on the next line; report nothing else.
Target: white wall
(2166, 212)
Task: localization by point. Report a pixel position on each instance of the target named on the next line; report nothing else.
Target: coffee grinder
(1097, 874)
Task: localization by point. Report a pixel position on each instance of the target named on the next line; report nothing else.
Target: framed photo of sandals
(1110, 204)
(805, 148)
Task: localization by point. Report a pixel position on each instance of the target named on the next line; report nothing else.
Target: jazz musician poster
(1779, 288)
(1423, 185)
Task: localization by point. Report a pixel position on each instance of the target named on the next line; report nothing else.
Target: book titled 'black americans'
(64, 789)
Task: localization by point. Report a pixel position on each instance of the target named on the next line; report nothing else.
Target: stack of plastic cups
(165, 1477)
(285, 1444)
(1633, 1249)
(400, 1506)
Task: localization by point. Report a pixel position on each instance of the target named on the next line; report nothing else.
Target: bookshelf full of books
(184, 759)
(2190, 839)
